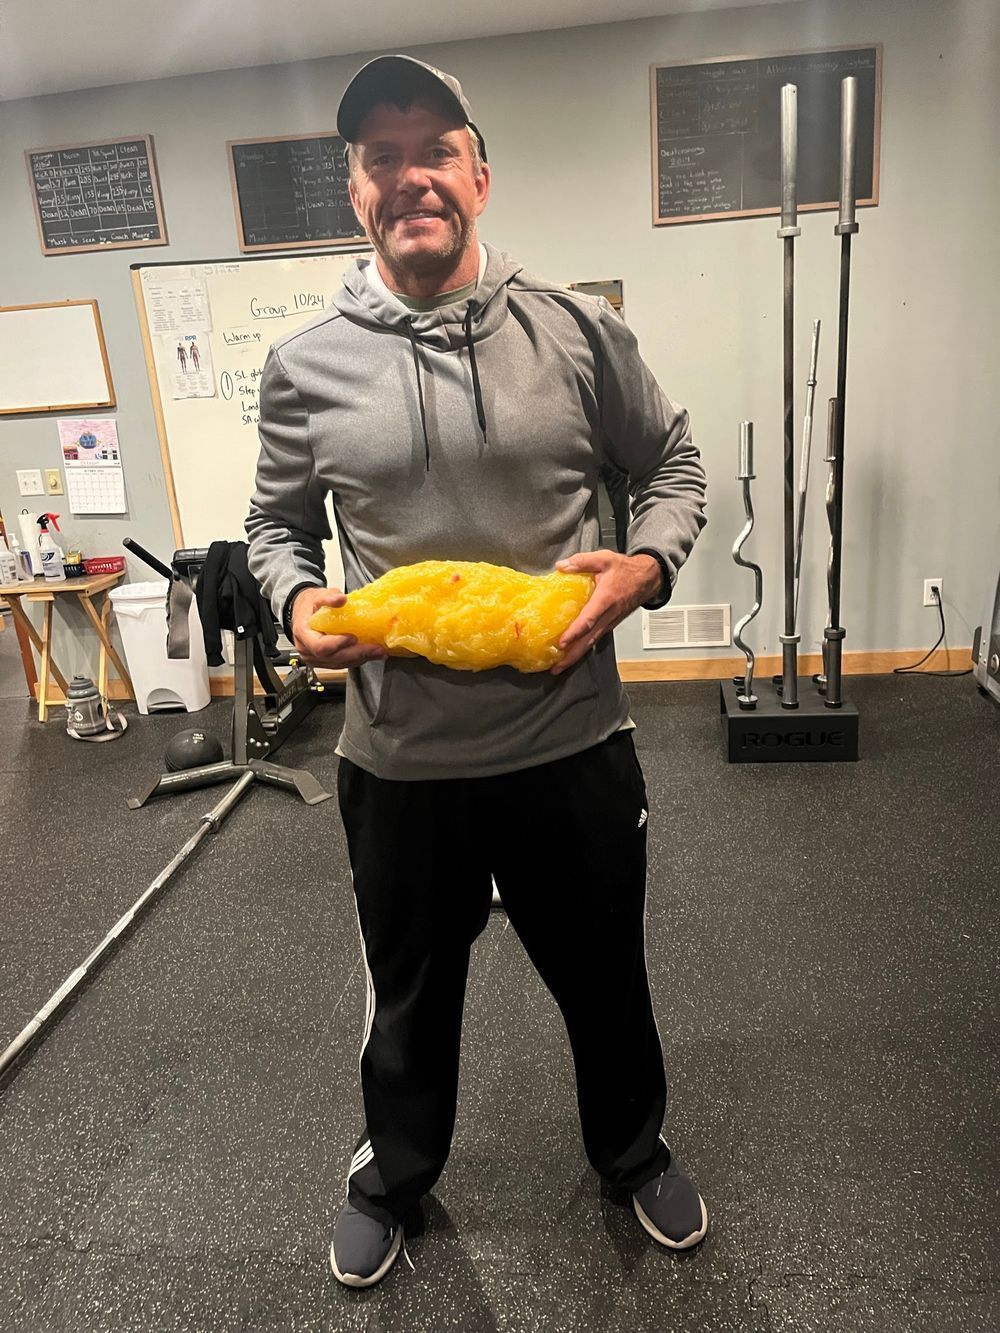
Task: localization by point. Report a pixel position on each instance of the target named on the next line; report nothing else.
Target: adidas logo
(642, 818)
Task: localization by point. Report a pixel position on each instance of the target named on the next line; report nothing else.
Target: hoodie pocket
(428, 720)
(383, 691)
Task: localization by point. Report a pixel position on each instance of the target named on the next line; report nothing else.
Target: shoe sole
(354, 1280)
(658, 1235)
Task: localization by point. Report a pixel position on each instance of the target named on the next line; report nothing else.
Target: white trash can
(161, 682)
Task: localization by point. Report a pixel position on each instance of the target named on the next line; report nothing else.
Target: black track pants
(566, 843)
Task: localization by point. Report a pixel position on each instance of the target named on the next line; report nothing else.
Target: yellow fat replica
(461, 614)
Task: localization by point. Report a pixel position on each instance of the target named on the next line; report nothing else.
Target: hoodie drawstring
(476, 387)
(476, 390)
(420, 391)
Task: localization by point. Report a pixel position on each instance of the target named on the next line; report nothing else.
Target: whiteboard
(232, 310)
(53, 359)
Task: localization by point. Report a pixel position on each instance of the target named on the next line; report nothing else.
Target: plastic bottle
(52, 556)
(29, 541)
(23, 558)
(8, 564)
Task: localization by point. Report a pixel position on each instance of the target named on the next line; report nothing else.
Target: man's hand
(624, 582)
(327, 650)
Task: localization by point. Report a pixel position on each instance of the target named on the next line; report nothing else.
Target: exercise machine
(986, 654)
(259, 726)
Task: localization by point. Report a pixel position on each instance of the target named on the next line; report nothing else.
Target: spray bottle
(52, 556)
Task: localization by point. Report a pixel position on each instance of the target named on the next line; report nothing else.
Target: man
(457, 408)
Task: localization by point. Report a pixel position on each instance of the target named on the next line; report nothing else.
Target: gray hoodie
(474, 431)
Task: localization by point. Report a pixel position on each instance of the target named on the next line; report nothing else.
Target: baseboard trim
(854, 664)
(710, 668)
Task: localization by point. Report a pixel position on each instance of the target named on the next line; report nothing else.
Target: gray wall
(566, 118)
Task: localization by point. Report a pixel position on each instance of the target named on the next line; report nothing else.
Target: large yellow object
(461, 614)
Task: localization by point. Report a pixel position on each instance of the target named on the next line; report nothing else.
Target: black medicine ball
(192, 749)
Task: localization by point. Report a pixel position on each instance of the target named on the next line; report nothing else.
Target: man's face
(414, 188)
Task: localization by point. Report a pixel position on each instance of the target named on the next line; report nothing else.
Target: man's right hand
(334, 651)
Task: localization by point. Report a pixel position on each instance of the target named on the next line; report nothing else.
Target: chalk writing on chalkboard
(717, 133)
(292, 192)
(96, 196)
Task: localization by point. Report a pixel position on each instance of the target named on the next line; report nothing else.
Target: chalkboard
(96, 196)
(716, 132)
(290, 193)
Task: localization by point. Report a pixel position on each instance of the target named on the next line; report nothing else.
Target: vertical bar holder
(778, 729)
(756, 725)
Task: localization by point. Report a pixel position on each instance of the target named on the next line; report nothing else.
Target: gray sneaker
(671, 1209)
(363, 1249)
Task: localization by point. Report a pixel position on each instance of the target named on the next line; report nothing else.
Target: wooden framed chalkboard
(716, 132)
(290, 193)
(96, 196)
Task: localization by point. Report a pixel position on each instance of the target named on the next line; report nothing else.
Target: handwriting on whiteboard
(300, 301)
(240, 387)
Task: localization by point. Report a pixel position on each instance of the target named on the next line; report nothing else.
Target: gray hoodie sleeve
(648, 436)
(287, 523)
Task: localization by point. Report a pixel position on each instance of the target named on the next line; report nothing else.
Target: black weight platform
(822, 948)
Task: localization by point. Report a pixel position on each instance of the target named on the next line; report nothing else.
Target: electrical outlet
(53, 481)
(29, 482)
(929, 598)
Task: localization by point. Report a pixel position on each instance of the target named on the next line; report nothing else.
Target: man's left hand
(624, 582)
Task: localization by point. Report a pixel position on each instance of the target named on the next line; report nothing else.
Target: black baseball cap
(386, 78)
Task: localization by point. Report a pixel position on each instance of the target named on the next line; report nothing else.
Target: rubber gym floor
(822, 949)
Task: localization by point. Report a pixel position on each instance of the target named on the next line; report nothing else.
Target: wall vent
(687, 627)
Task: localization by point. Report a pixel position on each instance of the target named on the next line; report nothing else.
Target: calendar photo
(95, 481)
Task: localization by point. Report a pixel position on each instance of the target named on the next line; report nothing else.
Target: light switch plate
(29, 481)
(53, 481)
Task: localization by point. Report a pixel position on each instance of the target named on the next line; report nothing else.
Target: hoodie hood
(442, 329)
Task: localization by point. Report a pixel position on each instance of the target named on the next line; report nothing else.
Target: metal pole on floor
(831, 486)
(209, 823)
(845, 228)
(807, 430)
(788, 232)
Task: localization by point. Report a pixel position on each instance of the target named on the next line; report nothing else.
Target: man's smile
(419, 215)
